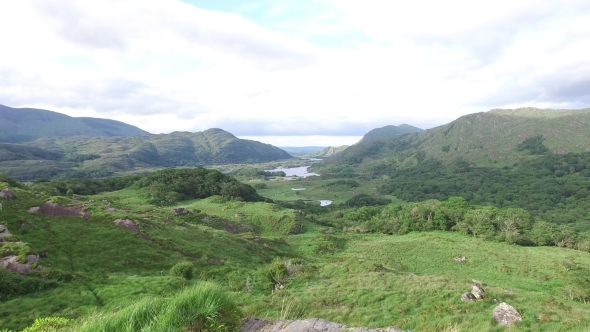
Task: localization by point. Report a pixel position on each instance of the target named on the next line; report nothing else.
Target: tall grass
(202, 307)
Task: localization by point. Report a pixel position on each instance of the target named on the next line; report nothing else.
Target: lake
(298, 171)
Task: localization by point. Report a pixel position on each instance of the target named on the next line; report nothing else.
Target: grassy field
(409, 281)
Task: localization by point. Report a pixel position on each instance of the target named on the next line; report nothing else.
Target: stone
(240, 215)
(55, 209)
(7, 193)
(306, 325)
(467, 297)
(477, 282)
(127, 224)
(461, 260)
(506, 315)
(180, 211)
(110, 210)
(10, 263)
(0, 206)
(34, 209)
(477, 292)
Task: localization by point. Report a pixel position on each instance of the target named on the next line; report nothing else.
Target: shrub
(183, 270)
(48, 324)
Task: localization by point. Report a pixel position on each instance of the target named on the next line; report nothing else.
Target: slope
(19, 125)
(389, 131)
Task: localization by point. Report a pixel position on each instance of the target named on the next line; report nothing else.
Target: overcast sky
(292, 72)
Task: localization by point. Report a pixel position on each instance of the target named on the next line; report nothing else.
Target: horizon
(293, 72)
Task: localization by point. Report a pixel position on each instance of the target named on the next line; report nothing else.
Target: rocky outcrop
(477, 292)
(55, 209)
(127, 224)
(227, 226)
(33, 210)
(7, 193)
(10, 263)
(307, 325)
(506, 315)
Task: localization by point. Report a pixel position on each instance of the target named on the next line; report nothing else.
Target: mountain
(83, 156)
(500, 135)
(301, 150)
(18, 125)
(389, 131)
(327, 152)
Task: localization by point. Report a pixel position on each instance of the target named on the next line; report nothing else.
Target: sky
(293, 72)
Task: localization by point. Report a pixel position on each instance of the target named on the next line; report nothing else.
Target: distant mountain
(82, 156)
(389, 131)
(18, 125)
(301, 150)
(500, 135)
(327, 152)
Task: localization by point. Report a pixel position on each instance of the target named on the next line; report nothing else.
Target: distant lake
(299, 171)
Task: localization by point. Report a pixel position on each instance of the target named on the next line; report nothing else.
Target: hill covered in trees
(18, 125)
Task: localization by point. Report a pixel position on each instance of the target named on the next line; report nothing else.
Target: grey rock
(240, 215)
(506, 315)
(127, 224)
(110, 210)
(7, 193)
(467, 297)
(34, 209)
(307, 325)
(477, 282)
(0, 206)
(477, 292)
(461, 260)
(180, 211)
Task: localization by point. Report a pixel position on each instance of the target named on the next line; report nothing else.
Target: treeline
(255, 173)
(511, 225)
(83, 186)
(554, 187)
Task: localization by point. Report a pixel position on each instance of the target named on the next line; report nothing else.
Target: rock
(127, 224)
(180, 211)
(506, 315)
(467, 297)
(110, 210)
(10, 263)
(34, 209)
(307, 325)
(477, 292)
(461, 260)
(412, 275)
(44, 254)
(240, 215)
(7, 193)
(0, 206)
(55, 209)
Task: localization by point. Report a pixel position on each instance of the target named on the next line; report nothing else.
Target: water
(298, 171)
(325, 202)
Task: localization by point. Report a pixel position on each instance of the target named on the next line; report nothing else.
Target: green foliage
(202, 307)
(533, 144)
(168, 186)
(182, 270)
(11, 182)
(260, 186)
(14, 284)
(49, 324)
(366, 200)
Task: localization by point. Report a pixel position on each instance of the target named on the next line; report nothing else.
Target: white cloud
(164, 65)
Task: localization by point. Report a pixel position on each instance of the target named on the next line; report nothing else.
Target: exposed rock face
(467, 297)
(180, 211)
(308, 325)
(55, 209)
(7, 193)
(477, 292)
(506, 314)
(10, 263)
(34, 209)
(127, 224)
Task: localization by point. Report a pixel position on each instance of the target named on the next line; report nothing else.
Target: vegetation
(389, 131)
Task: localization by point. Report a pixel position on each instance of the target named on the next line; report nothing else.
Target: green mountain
(500, 135)
(19, 125)
(389, 131)
(83, 156)
(330, 151)
(298, 151)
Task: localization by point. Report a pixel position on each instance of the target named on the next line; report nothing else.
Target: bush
(203, 307)
(183, 270)
(48, 324)
(260, 186)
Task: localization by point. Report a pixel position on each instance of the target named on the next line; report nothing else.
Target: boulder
(34, 209)
(55, 209)
(240, 215)
(506, 315)
(10, 263)
(477, 282)
(461, 260)
(110, 210)
(467, 297)
(307, 325)
(0, 206)
(127, 224)
(7, 193)
(477, 292)
(180, 211)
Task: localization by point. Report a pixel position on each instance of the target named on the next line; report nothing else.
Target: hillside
(330, 151)
(82, 156)
(504, 136)
(389, 131)
(19, 125)
(298, 151)
(133, 263)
